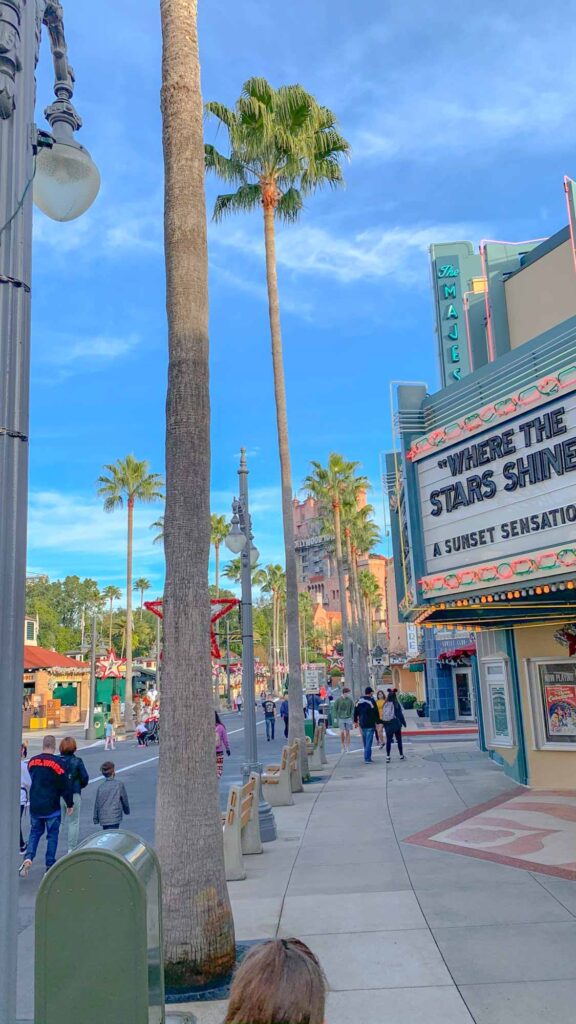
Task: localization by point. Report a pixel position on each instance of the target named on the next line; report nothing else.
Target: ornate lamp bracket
(10, 64)
(61, 115)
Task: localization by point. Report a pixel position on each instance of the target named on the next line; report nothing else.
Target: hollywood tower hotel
(482, 487)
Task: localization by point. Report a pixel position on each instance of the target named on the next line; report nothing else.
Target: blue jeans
(37, 826)
(270, 728)
(367, 740)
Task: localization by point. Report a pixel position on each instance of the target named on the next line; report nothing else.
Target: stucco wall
(541, 296)
(547, 769)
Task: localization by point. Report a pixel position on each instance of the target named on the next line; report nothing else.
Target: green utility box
(99, 935)
(99, 724)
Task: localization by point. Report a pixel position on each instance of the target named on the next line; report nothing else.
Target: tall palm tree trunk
(198, 925)
(110, 625)
(128, 718)
(296, 717)
(348, 670)
(357, 667)
(274, 640)
(217, 571)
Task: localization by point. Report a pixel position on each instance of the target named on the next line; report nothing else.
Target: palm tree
(111, 594)
(272, 580)
(142, 585)
(219, 530)
(128, 481)
(282, 146)
(233, 570)
(372, 595)
(158, 525)
(198, 925)
(361, 534)
(331, 486)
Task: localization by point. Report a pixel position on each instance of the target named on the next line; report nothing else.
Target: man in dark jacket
(49, 784)
(366, 716)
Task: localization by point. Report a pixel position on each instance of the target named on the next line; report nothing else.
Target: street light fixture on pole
(240, 542)
(64, 181)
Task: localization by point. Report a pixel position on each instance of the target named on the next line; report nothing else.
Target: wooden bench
(280, 781)
(241, 827)
(317, 750)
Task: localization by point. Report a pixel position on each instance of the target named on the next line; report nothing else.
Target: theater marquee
(502, 506)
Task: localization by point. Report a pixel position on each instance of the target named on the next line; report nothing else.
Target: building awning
(459, 654)
(551, 605)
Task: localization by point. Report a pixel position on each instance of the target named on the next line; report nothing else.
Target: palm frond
(221, 113)
(245, 198)
(227, 168)
(260, 90)
(289, 205)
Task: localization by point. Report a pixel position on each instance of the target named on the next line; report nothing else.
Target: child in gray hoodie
(111, 799)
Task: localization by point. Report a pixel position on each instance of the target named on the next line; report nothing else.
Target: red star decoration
(109, 667)
(224, 604)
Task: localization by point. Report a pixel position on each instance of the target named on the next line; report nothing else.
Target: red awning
(458, 653)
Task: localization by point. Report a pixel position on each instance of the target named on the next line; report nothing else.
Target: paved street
(138, 767)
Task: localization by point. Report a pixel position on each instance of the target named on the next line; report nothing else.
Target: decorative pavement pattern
(531, 830)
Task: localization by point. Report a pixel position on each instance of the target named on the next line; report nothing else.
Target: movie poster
(558, 682)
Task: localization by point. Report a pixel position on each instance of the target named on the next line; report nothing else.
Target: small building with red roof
(56, 687)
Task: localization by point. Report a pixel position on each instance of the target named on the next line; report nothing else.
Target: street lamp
(65, 182)
(239, 541)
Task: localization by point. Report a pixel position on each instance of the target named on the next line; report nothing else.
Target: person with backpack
(285, 715)
(77, 781)
(366, 717)
(393, 718)
(222, 745)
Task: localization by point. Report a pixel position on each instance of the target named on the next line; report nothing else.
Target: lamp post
(64, 181)
(239, 541)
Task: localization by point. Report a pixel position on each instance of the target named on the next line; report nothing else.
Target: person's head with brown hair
(278, 982)
(68, 745)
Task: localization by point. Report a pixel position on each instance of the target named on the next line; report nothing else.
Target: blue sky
(461, 127)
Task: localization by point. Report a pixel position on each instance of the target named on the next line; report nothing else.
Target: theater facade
(482, 488)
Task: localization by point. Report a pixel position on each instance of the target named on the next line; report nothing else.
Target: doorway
(464, 703)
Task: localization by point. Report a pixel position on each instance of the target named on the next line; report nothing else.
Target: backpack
(389, 711)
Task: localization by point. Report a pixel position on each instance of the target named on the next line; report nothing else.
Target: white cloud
(373, 254)
(93, 350)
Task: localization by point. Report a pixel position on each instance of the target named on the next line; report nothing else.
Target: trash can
(99, 935)
(99, 723)
(309, 728)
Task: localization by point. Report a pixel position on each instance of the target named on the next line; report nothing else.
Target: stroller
(153, 734)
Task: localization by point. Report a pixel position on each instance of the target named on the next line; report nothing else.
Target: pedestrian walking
(77, 780)
(222, 745)
(343, 712)
(109, 735)
(305, 704)
(380, 702)
(239, 703)
(366, 717)
(49, 783)
(279, 980)
(111, 799)
(269, 709)
(285, 715)
(25, 784)
(393, 718)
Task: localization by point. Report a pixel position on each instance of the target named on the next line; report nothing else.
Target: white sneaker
(25, 868)
(387, 760)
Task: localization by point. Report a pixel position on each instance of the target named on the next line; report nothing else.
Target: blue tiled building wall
(439, 679)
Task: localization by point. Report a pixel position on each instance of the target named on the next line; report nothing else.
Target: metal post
(251, 763)
(17, 32)
(90, 732)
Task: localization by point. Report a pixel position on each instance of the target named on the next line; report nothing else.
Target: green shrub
(407, 700)
(336, 672)
(420, 705)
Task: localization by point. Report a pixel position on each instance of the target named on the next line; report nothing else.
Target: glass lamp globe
(254, 555)
(235, 540)
(66, 182)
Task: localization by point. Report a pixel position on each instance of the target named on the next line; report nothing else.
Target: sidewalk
(404, 931)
